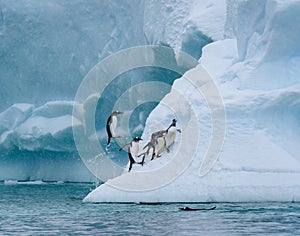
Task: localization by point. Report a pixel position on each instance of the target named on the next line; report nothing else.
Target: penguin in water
(171, 134)
(133, 150)
(111, 125)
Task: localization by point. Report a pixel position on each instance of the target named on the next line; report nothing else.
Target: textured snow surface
(47, 47)
(173, 22)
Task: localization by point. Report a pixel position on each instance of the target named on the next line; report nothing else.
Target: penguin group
(159, 141)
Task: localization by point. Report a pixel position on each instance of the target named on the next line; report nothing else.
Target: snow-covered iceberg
(257, 72)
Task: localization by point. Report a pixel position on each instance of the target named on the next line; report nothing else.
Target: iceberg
(254, 67)
(249, 48)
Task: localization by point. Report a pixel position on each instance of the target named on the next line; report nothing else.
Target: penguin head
(136, 139)
(174, 122)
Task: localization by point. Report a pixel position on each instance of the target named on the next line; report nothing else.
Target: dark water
(57, 209)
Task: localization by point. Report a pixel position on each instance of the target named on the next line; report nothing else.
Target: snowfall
(240, 129)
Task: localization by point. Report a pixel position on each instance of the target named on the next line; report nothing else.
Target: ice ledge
(224, 186)
(48, 127)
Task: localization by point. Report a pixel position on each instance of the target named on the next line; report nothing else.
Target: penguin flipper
(108, 141)
(130, 167)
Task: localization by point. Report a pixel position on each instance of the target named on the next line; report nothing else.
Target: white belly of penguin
(134, 150)
(159, 147)
(113, 125)
(170, 137)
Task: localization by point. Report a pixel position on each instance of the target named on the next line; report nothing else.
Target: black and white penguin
(171, 134)
(157, 144)
(133, 151)
(111, 125)
(160, 142)
(160, 146)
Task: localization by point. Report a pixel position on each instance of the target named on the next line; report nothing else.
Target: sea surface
(57, 209)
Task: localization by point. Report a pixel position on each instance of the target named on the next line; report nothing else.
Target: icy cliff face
(266, 42)
(46, 49)
(188, 25)
(256, 71)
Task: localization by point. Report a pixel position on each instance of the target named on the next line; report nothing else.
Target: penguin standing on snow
(111, 125)
(133, 150)
(156, 143)
(171, 134)
(159, 137)
(160, 146)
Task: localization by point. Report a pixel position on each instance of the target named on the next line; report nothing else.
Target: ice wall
(46, 49)
(256, 73)
(267, 42)
(188, 25)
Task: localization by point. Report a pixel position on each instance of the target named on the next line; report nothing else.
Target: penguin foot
(168, 150)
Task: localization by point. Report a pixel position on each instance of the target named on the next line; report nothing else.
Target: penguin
(171, 135)
(111, 125)
(133, 150)
(159, 137)
(160, 146)
(156, 143)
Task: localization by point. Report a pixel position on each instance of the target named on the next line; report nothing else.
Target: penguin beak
(120, 112)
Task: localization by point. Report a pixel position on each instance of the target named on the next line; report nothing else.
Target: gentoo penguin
(156, 144)
(159, 137)
(133, 150)
(160, 146)
(171, 134)
(111, 125)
